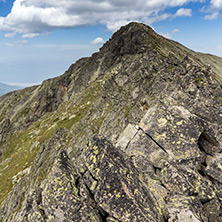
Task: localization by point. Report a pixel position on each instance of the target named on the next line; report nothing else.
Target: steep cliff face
(132, 133)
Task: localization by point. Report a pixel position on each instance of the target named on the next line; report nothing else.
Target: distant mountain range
(4, 88)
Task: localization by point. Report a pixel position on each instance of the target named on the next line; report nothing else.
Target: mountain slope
(132, 133)
(6, 88)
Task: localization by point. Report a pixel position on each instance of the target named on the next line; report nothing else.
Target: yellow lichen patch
(118, 195)
(96, 152)
(193, 140)
(110, 165)
(91, 167)
(95, 147)
(159, 210)
(93, 186)
(219, 166)
(81, 170)
(97, 171)
(162, 121)
(160, 136)
(180, 123)
(93, 159)
(148, 215)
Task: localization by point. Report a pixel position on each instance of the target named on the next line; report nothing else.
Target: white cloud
(10, 35)
(212, 16)
(30, 35)
(170, 35)
(212, 10)
(217, 4)
(17, 43)
(115, 25)
(156, 17)
(184, 12)
(97, 41)
(21, 84)
(175, 31)
(38, 16)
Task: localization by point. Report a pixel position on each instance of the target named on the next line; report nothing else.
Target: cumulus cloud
(212, 16)
(97, 41)
(170, 35)
(184, 12)
(31, 17)
(217, 4)
(213, 9)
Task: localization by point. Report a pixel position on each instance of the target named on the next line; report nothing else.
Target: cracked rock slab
(145, 151)
(176, 134)
(120, 191)
(127, 135)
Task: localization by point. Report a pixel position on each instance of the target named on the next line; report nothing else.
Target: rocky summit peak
(132, 133)
(131, 39)
(135, 31)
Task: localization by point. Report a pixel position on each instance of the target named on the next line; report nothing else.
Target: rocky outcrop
(132, 133)
(4, 130)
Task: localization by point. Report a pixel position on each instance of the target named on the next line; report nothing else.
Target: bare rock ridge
(132, 133)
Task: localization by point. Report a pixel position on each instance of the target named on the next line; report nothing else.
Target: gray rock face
(133, 133)
(214, 168)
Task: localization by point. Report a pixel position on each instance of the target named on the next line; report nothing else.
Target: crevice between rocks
(131, 139)
(149, 136)
(39, 202)
(77, 182)
(202, 171)
(161, 147)
(102, 213)
(201, 148)
(166, 219)
(156, 170)
(204, 136)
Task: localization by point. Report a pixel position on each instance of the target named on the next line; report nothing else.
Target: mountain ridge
(131, 133)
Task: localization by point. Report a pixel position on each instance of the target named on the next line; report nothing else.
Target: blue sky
(39, 39)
